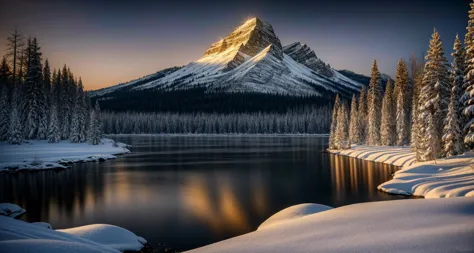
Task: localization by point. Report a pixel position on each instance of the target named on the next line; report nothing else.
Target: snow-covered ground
(443, 178)
(41, 155)
(18, 236)
(412, 225)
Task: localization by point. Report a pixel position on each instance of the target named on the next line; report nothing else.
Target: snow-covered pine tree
(83, 109)
(458, 67)
(414, 136)
(388, 128)
(65, 104)
(362, 115)
(54, 134)
(75, 121)
(342, 129)
(45, 102)
(354, 122)
(452, 137)
(374, 105)
(402, 104)
(332, 133)
(433, 101)
(47, 82)
(4, 113)
(33, 90)
(15, 135)
(94, 131)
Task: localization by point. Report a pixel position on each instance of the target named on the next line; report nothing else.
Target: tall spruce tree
(354, 122)
(4, 113)
(433, 101)
(458, 68)
(65, 104)
(34, 90)
(452, 133)
(374, 105)
(402, 104)
(15, 43)
(332, 133)
(15, 135)
(414, 136)
(362, 116)
(342, 129)
(388, 128)
(94, 131)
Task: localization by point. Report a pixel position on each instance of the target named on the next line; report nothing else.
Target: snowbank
(412, 225)
(112, 236)
(443, 178)
(41, 155)
(11, 210)
(398, 156)
(18, 236)
(293, 212)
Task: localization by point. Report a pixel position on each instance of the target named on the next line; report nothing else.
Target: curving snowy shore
(443, 178)
(41, 155)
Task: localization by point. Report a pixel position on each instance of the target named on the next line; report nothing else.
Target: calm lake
(190, 191)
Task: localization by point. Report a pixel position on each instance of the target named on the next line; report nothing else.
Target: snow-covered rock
(17, 236)
(293, 212)
(249, 59)
(112, 236)
(11, 210)
(442, 178)
(397, 226)
(41, 155)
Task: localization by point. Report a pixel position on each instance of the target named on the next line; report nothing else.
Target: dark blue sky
(115, 41)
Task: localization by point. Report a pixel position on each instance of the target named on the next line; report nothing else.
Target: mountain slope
(249, 59)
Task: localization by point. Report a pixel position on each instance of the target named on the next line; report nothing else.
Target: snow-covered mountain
(250, 59)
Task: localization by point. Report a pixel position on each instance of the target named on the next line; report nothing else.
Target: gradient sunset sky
(108, 42)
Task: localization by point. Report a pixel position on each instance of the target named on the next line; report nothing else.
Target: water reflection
(192, 191)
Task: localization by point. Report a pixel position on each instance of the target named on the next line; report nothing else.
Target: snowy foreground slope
(40, 155)
(413, 225)
(443, 178)
(19, 236)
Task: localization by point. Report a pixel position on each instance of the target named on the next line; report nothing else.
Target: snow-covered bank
(413, 225)
(19, 236)
(41, 155)
(443, 178)
(398, 156)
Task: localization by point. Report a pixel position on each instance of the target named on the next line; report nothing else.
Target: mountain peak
(303, 54)
(248, 39)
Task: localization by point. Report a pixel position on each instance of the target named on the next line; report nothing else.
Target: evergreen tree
(4, 113)
(78, 120)
(65, 103)
(15, 135)
(402, 104)
(83, 111)
(458, 67)
(54, 135)
(433, 101)
(388, 128)
(418, 78)
(15, 49)
(374, 105)
(342, 129)
(332, 133)
(354, 122)
(362, 116)
(5, 76)
(33, 90)
(47, 82)
(94, 132)
(452, 133)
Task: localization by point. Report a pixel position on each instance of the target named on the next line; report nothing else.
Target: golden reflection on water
(220, 212)
(352, 175)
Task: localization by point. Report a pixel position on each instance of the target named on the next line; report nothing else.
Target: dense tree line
(432, 111)
(202, 100)
(39, 105)
(309, 121)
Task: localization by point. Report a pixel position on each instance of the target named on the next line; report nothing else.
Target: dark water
(191, 191)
